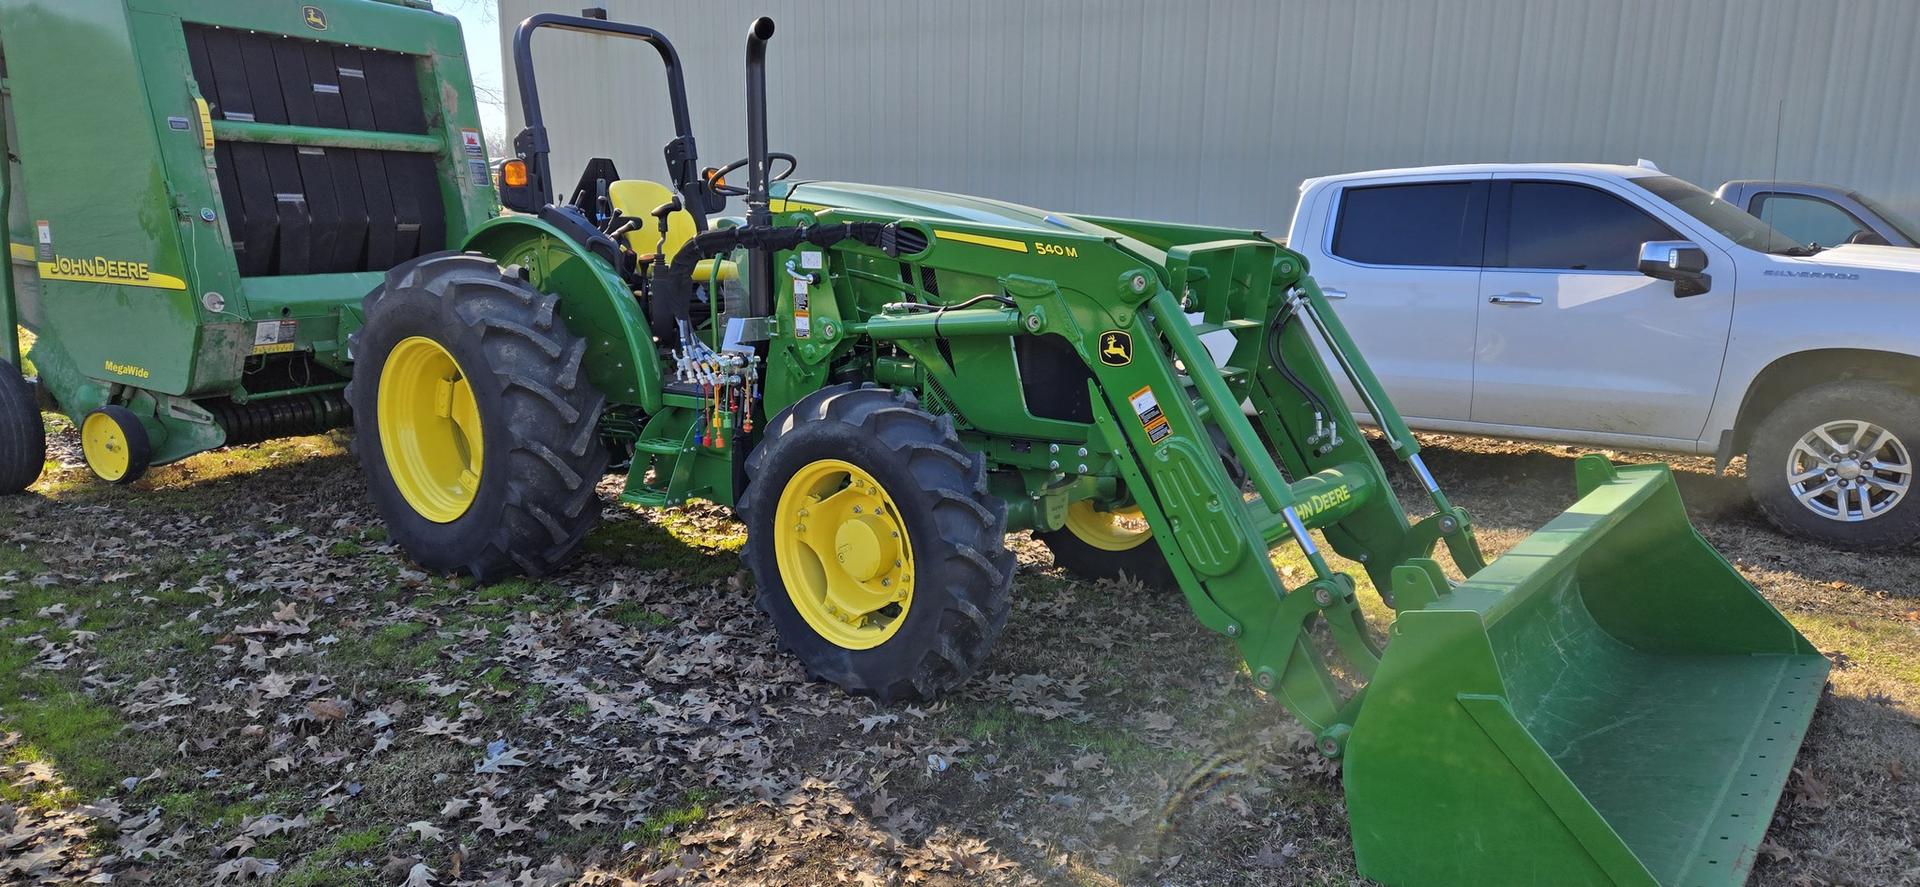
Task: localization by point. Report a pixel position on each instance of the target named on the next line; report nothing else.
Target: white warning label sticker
(1147, 408)
(275, 336)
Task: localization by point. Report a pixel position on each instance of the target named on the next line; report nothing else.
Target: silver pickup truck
(1617, 306)
(1822, 215)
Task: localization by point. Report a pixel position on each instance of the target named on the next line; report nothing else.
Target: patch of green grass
(989, 721)
(343, 548)
(363, 841)
(43, 797)
(637, 614)
(658, 830)
(999, 722)
(400, 647)
(496, 679)
(77, 736)
(320, 870)
(667, 539)
(401, 643)
(1884, 645)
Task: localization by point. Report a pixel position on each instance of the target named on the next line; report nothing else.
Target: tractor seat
(637, 199)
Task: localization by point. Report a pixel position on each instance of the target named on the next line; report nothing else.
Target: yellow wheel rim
(1122, 530)
(104, 443)
(844, 554)
(430, 429)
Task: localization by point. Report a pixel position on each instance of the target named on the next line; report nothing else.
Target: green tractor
(884, 382)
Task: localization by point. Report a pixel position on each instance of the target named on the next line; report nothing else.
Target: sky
(480, 24)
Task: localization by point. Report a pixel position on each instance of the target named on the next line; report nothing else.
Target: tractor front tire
(879, 554)
(1095, 544)
(23, 439)
(476, 428)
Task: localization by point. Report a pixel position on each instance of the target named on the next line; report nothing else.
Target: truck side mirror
(1681, 261)
(1868, 238)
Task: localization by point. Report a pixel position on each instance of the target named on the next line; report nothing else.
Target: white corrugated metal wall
(1214, 110)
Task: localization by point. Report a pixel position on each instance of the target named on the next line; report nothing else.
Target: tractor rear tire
(476, 427)
(23, 439)
(928, 537)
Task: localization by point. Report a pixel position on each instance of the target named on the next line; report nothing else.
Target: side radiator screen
(306, 209)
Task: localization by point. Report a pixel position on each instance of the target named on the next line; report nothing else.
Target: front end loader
(884, 382)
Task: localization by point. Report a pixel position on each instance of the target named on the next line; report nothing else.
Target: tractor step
(659, 446)
(646, 497)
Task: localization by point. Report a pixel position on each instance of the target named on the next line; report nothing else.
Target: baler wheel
(115, 444)
(476, 427)
(879, 554)
(23, 440)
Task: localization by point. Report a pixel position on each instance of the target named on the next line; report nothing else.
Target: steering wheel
(717, 178)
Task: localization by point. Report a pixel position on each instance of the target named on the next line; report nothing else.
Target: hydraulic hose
(1279, 327)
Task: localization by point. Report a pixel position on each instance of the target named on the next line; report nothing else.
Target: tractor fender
(594, 301)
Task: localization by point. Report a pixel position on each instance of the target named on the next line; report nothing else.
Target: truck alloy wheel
(1836, 463)
(1849, 470)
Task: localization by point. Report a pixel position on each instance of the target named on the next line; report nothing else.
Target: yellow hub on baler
(430, 429)
(106, 447)
(844, 554)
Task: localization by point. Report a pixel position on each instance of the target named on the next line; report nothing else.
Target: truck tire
(1823, 453)
(476, 428)
(23, 439)
(903, 583)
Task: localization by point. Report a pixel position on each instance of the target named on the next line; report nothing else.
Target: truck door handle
(1514, 299)
(1334, 294)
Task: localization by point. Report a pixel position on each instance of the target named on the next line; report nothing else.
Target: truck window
(1435, 224)
(1807, 219)
(1724, 218)
(1563, 226)
(1907, 227)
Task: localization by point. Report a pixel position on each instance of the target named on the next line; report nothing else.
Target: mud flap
(1608, 703)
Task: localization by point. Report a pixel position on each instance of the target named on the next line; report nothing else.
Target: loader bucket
(1609, 703)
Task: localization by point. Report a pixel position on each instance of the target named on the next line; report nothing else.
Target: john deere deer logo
(316, 19)
(1116, 348)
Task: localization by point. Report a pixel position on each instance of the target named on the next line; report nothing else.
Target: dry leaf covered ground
(227, 674)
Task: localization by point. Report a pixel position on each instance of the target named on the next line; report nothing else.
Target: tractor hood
(941, 206)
